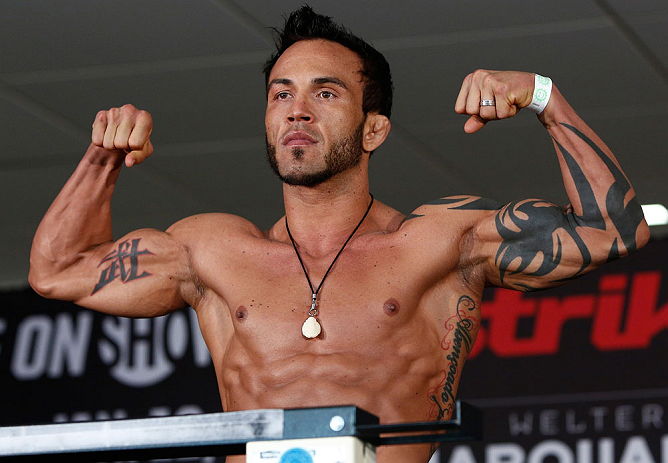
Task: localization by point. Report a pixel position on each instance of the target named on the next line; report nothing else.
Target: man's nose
(300, 111)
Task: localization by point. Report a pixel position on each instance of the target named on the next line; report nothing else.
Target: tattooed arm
(533, 244)
(73, 256)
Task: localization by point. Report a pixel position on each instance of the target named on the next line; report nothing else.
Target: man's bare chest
(361, 285)
(375, 291)
(265, 290)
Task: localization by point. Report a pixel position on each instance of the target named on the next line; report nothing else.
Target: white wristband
(541, 94)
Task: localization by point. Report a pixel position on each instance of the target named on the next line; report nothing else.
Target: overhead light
(655, 214)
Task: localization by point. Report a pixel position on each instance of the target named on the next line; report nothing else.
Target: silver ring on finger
(486, 102)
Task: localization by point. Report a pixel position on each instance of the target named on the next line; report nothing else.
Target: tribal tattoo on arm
(529, 227)
(534, 229)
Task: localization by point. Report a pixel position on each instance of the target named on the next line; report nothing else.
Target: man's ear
(376, 129)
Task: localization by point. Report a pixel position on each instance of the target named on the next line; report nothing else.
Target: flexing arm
(532, 243)
(73, 255)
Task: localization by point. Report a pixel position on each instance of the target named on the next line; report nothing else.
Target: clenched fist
(509, 91)
(126, 128)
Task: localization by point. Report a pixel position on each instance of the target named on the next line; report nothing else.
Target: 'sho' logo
(143, 352)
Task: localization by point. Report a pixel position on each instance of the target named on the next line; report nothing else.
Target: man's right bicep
(139, 275)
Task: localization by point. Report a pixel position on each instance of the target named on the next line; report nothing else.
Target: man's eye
(281, 95)
(325, 94)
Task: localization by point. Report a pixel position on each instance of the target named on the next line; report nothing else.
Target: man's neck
(322, 218)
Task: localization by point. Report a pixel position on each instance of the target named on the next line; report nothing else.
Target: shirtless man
(400, 307)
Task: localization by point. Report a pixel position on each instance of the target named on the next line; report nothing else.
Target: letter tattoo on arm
(123, 263)
(458, 342)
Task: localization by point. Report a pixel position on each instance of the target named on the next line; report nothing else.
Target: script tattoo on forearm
(122, 263)
(458, 341)
(529, 227)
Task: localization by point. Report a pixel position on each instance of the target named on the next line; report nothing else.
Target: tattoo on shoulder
(413, 216)
(470, 203)
(122, 263)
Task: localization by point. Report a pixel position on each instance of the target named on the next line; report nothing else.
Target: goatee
(344, 153)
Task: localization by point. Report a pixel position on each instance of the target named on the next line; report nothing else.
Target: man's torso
(398, 314)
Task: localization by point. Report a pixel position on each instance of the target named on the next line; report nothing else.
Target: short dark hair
(306, 24)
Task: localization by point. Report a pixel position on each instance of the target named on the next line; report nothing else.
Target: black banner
(572, 374)
(626, 428)
(577, 373)
(61, 363)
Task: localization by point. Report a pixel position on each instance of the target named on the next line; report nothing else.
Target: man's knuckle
(112, 114)
(500, 87)
(144, 117)
(127, 111)
(480, 74)
(490, 80)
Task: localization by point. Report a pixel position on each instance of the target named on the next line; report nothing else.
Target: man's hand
(510, 91)
(127, 129)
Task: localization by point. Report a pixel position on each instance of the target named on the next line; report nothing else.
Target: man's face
(314, 119)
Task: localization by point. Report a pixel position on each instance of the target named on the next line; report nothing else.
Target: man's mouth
(298, 138)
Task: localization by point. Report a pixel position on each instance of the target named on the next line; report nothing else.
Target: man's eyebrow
(279, 82)
(314, 81)
(329, 80)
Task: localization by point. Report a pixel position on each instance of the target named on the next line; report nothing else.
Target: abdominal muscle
(391, 381)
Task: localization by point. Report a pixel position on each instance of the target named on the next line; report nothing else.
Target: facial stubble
(345, 153)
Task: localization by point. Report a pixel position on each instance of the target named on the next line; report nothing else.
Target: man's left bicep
(533, 244)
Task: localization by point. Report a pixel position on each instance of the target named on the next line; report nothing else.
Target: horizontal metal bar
(421, 426)
(466, 424)
(214, 429)
(220, 433)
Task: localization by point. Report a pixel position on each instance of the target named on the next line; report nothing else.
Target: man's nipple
(241, 313)
(391, 307)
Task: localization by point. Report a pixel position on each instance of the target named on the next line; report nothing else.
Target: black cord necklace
(311, 328)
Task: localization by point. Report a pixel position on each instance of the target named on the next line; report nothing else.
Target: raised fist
(126, 128)
(504, 92)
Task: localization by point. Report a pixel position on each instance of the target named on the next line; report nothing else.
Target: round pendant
(311, 328)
